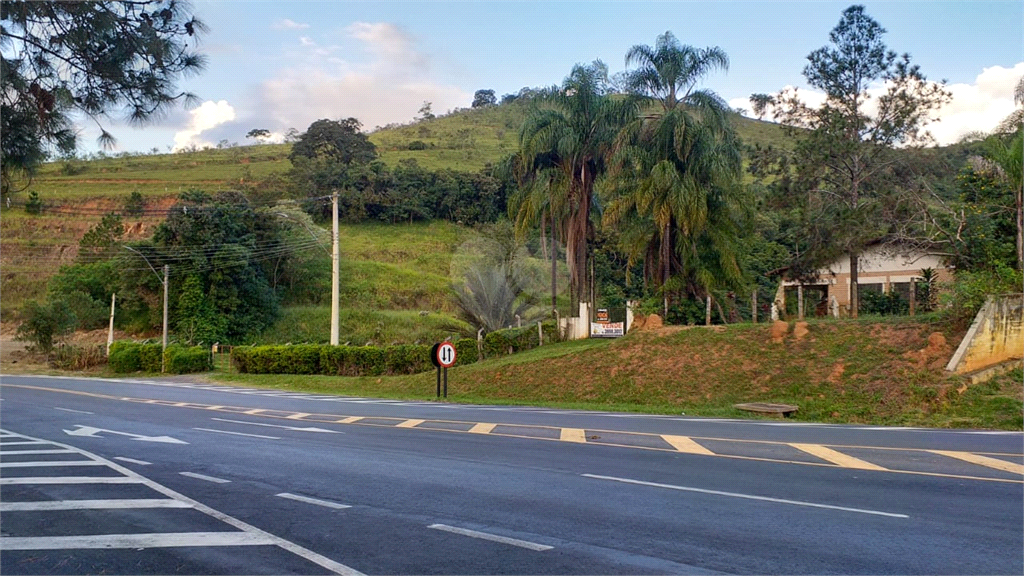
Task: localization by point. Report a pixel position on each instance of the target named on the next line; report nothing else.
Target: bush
(33, 205)
(186, 360)
(46, 323)
(78, 357)
(417, 145)
(872, 302)
(512, 340)
(969, 291)
(128, 357)
(332, 360)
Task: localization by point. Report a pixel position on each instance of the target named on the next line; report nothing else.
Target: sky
(284, 64)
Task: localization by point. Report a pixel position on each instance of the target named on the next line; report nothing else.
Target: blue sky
(281, 65)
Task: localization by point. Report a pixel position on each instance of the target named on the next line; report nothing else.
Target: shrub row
(134, 356)
(342, 360)
(512, 340)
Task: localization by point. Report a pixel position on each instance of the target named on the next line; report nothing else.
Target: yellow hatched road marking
(350, 420)
(412, 423)
(297, 416)
(573, 435)
(686, 444)
(482, 428)
(214, 407)
(255, 411)
(837, 458)
(983, 461)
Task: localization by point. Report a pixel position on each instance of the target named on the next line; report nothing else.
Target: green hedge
(128, 357)
(499, 342)
(187, 360)
(343, 360)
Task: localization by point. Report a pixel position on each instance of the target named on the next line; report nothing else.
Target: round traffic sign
(445, 355)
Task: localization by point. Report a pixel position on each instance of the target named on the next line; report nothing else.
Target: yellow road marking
(983, 461)
(573, 435)
(578, 435)
(297, 416)
(214, 407)
(482, 428)
(685, 444)
(410, 423)
(837, 458)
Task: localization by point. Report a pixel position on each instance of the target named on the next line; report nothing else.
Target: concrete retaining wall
(995, 337)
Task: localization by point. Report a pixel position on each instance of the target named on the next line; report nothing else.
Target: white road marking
(32, 442)
(491, 537)
(123, 541)
(42, 464)
(92, 505)
(71, 410)
(237, 433)
(317, 501)
(132, 460)
(297, 428)
(70, 480)
(11, 452)
(745, 496)
(205, 477)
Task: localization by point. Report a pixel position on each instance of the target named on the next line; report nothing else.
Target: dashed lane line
(132, 460)
(316, 501)
(837, 458)
(491, 537)
(983, 461)
(205, 477)
(238, 433)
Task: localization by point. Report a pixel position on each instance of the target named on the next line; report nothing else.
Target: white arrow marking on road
(90, 431)
(299, 428)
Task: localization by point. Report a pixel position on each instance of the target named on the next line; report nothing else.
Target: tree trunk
(854, 296)
(554, 267)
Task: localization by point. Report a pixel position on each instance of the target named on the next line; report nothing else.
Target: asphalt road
(131, 476)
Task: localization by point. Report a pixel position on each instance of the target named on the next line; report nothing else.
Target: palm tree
(673, 181)
(568, 135)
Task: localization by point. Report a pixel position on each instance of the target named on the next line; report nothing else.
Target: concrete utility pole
(110, 333)
(335, 272)
(167, 273)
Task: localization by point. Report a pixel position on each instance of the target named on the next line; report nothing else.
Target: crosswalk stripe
(122, 541)
(70, 480)
(44, 464)
(92, 504)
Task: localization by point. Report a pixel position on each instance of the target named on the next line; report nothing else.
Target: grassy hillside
(864, 372)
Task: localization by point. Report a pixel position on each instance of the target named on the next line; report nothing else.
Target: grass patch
(862, 372)
(312, 324)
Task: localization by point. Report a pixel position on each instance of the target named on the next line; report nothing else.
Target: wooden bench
(784, 410)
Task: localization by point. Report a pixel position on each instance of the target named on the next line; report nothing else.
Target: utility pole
(167, 273)
(335, 272)
(110, 333)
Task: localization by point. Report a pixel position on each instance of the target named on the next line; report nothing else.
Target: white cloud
(288, 24)
(388, 85)
(208, 115)
(976, 107)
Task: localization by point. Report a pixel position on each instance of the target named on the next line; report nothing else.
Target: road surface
(164, 476)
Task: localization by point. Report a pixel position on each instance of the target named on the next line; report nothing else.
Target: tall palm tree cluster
(659, 164)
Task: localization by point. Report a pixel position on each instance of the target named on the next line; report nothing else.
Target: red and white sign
(446, 355)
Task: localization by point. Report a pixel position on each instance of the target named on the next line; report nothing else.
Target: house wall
(877, 269)
(996, 336)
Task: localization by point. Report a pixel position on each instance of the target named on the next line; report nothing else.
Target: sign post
(442, 355)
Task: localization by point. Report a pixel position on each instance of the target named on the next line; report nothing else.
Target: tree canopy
(91, 58)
